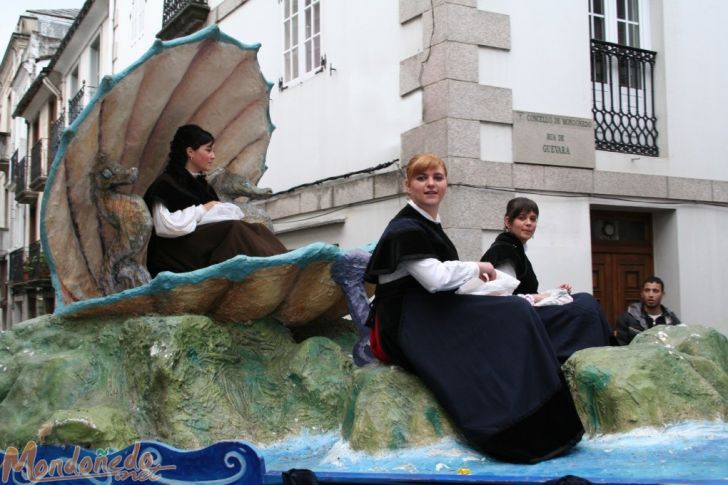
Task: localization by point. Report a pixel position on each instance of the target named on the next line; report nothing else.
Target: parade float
(240, 371)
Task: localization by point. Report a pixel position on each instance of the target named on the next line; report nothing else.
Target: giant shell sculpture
(118, 145)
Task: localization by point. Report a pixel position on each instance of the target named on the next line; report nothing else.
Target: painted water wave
(690, 451)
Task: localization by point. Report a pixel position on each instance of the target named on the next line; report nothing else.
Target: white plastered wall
(361, 225)
(130, 44)
(547, 71)
(701, 238)
(339, 120)
(560, 251)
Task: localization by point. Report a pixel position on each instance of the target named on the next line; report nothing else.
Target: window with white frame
(301, 39)
(622, 74)
(94, 76)
(617, 22)
(136, 17)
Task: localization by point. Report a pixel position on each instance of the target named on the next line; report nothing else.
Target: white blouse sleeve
(436, 275)
(177, 223)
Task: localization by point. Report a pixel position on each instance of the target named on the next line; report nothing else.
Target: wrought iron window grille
(75, 104)
(57, 128)
(19, 172)
(14, 158)
(37, 159)
(623, 98)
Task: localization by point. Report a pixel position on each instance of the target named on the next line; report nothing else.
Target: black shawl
(409, 236)
(178, 189)
(508, 248)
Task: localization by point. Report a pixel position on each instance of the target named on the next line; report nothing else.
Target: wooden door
(617, 280)
(622, 258)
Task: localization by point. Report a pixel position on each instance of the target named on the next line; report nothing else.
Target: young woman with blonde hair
(487, 359)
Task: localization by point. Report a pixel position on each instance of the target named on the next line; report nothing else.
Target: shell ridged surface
(208, 79)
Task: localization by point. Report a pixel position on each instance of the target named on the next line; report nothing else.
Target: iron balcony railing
(28, 265)
(79, 101)
(36, 265)
(17, 261)
(18, 168)
(4, 145)
(57, 128)
(39, 164)
(624, 98)
(182, 17)
(13, 166)
(173, 7)
(23, 194)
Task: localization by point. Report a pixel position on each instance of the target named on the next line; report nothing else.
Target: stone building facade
(593, 108)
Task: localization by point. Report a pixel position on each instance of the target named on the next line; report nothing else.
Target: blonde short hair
(423, 162)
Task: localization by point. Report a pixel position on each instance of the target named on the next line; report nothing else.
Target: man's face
(652, 295)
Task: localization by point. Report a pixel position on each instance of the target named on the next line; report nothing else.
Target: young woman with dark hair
(572, 326)
(181, 201)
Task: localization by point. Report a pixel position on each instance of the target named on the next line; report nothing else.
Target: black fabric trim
(508, 248)
(409, 236)
(178, 189)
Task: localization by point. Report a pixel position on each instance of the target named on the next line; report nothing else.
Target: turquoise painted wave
(686, 452)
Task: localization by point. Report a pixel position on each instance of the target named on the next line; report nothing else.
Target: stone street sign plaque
(553, 140)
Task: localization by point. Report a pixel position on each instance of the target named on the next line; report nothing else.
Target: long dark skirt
(489, 362)
(210, 244)
(575, 326)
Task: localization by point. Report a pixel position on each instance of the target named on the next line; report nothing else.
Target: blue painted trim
(224, 462)
(234, 269)
(227, 462)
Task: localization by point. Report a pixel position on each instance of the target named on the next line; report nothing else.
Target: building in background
(24, 280)
(600, 110)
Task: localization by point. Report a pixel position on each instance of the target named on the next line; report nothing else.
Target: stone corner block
(484, 208)
(492, 104)
(463, 138)
(412, 142)
(447, 137)
(451, 60)
(436, 101)
(465, 3)
(409, 9)
(469, 25)
(409, 75)
(467, 100)
(473, 171)
(469, 242)
(463, 207)
(495, 30)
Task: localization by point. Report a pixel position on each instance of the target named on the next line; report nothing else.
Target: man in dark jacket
(646, 313)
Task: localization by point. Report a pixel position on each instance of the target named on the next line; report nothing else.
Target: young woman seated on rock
(192, 228)
(573, 326)
(487, 359)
